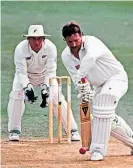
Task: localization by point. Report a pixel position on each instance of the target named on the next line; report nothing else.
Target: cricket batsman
(35, 62)
(88, 57)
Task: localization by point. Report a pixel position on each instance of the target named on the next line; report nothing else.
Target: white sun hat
(35, 31)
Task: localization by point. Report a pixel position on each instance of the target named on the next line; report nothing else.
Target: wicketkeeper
(88, 57)
(35, 62)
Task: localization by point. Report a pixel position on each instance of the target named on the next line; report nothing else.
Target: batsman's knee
(104, 105)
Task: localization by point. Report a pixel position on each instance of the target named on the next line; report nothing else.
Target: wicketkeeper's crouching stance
(88, 57)
(35, 62)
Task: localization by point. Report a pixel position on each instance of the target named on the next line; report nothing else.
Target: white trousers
(104, 104)
(16, 107)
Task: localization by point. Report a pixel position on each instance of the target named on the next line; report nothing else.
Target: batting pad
(104, 105)
(16, 108)
(100, 134)
(103, 109)
(122, 131)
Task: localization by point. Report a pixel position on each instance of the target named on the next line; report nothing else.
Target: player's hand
(83, 88)
(86, 94)
(86, 97)
(29, 94)
(45, 96)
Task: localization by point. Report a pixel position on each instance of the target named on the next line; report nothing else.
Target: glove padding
(29, 94)
(86, 97)
(83, 88)
(45, 96)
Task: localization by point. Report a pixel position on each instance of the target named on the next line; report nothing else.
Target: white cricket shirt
(96, 63)
(33, 67)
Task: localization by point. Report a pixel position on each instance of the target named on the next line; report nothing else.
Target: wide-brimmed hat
(36, 31)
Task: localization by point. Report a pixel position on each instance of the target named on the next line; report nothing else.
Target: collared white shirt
(33, 67)
(96, 62)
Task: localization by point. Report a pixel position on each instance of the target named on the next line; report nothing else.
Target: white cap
(36, 31)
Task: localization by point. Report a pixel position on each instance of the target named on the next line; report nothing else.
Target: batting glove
(86, 97)
(29, 94)
(83, 88)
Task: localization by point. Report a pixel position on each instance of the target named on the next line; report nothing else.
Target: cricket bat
(85, 120)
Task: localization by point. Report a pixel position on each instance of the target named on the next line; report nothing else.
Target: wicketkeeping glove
(45, 96)
(29, 94)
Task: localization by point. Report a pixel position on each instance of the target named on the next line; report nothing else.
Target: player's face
(74, 42)
(36, 43)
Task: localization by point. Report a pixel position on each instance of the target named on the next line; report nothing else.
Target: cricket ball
(82, 150)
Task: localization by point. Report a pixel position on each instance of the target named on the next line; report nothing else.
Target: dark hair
(71, 28)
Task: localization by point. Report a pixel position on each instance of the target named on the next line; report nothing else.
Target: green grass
(110, 21)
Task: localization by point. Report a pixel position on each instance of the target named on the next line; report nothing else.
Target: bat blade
(85, 127)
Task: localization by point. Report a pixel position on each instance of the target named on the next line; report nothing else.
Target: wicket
(68, 94)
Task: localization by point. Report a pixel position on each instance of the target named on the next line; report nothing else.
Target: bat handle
(83, 80)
